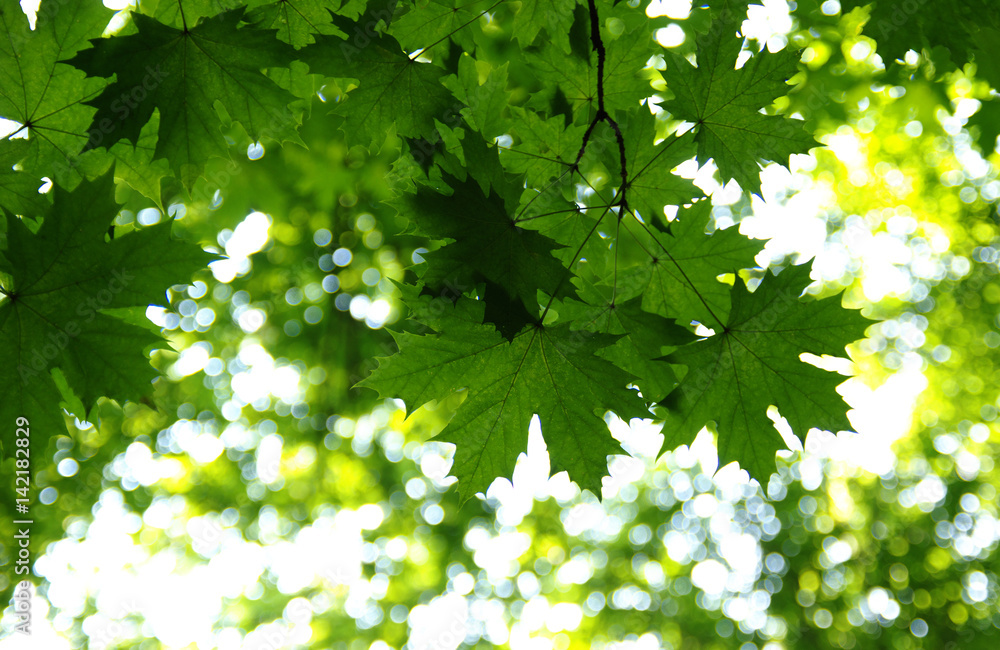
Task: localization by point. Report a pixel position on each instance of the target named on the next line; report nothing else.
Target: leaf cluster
(573, 270)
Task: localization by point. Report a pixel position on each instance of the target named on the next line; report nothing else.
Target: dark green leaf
(753, 362)
(183, 73)
(53, 311)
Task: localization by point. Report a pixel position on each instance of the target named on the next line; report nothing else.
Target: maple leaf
(549, 371)
(42, 94)
(484, 102)
(644, 337)
(725, 103)
(680, 277)
(545, 148)
(298, 21)
(181, 13)
(986, 125)
(467, 155)
(61, 283)
(753, 362)
(429, 25)
(554, 16)
(18, 191)
(487, 243)
(626, 82)
(136, 167)
(651, 185)
(183, 73)
(581, 232)
(395, 91)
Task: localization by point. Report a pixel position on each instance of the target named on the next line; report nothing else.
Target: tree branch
(602, 114)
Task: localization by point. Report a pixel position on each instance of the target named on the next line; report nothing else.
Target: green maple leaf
(644, 337)
(429, 25)
(753, 362)
(627, 80)
(554, 16)
(136, 167)
(725, 103)
(485, 103)
(651, 185)
(680, 279)
(549, 371)
(584, 234)
(394, 91)
(62, 283)
(466, 155)
(986, 121)
(44, 95)
(184, 73)
(487, 242)
(181, 13)
(18, 191)
(545, 148)
(626, 83)
(298, 21)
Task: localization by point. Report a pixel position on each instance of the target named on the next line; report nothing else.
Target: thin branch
(602, 114)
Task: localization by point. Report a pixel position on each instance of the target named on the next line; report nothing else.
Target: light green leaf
(644, 337)
(393, 89)
(44, 95)
(725, 103)
(549, 371)
(651, 183)
(680, 278)
(554, 16)
(18, 190)
(544, 149)
(428, 25)
(298, 21)
(485, 103)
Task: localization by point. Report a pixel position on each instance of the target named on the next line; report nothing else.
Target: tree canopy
(301, 279)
